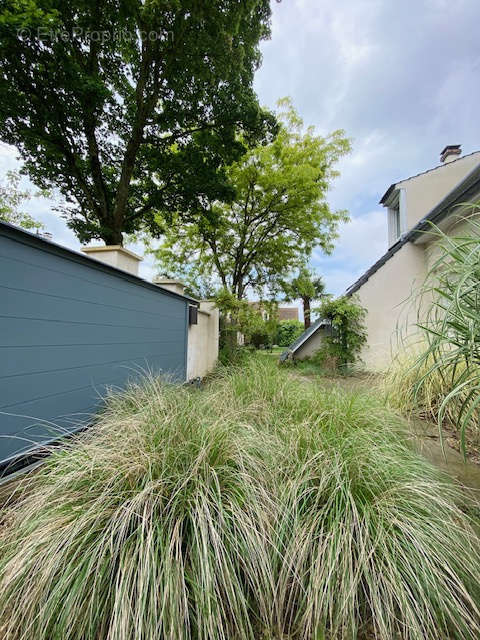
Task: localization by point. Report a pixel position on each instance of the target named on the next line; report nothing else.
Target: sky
(402, 80)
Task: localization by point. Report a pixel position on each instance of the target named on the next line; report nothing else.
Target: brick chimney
(451, 152)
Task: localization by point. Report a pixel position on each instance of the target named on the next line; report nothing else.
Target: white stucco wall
(203, 337)
(388, 296)
(115, 256)
(425, 191)
(203, 340)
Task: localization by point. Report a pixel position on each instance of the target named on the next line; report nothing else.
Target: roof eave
(387, 194)
(467, 188)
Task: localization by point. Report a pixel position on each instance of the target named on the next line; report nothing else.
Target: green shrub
(233, 356)
(240, 317)
(154, 524)
(341, 348)
(288, 331)
(261, 507)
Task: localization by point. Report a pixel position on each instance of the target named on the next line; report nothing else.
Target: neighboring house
(284, 313)
(436, 196)
(287, 313)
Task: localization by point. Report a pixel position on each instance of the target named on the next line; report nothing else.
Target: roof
(26, 237)
(288, 313)
(387, 193)
(462, 192)
(308, 333)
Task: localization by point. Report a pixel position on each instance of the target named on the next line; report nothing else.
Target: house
(441, 196)
(287, 313)
(283, 313)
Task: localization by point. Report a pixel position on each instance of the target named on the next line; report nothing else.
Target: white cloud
(362, 241)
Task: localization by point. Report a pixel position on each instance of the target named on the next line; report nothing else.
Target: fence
(70, 327)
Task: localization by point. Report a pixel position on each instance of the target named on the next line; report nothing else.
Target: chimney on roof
(451, 152)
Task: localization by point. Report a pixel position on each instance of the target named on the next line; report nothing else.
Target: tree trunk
(112, 236)
(306, 312)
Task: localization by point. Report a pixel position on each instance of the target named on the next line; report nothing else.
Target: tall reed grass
(441, 374)
(404, 391)
(262, 507)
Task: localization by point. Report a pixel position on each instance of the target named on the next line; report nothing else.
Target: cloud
(362, 241)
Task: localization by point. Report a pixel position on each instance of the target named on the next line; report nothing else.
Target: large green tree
(12, 197)
(279, 214)
(306, 286)
(99, 97)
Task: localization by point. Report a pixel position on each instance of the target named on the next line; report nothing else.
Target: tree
(307, 287)
(238, 316)
(100, 96)
(279, 213)
(11, 198)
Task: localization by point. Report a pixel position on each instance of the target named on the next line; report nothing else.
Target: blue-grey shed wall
(69, 328)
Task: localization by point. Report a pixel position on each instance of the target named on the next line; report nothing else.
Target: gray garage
(70, 327)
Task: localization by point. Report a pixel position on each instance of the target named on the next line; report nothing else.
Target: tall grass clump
(372, 539)
(442, 376)
(262, 507)
(152, 525)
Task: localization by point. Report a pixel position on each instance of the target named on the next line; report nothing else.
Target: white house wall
(311, 346)
(388, 297)
(425, 191)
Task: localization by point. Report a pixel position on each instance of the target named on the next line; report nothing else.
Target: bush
(239, 317)
(236, 355)
(403, 391)
(260, 338)
(341, 349)
(262, 507)
(288, 331)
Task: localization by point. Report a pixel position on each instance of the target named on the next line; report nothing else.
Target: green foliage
(342, 347)
(131, 108)
(306, 286)
(260, 507)
(11, 199)
(278, 215)
(235, 355)
(288, 331)
(450, 358)
(240, 317)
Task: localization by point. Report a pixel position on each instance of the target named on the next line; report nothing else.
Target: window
(396, 223)
(397, 216)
